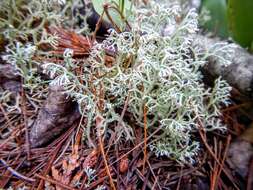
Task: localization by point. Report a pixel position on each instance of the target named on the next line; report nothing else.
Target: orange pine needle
(69, 39)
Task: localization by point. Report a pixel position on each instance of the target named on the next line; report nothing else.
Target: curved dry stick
(15, 173)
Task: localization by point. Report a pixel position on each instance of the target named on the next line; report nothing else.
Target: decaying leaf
(72, 168)
(68, 168)
(57, 114)
(56, 175)
(124, 164)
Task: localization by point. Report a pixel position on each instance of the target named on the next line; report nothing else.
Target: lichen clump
(149, 68)
(152, 66)
(24, 39)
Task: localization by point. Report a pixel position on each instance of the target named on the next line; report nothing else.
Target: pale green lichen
(155, 66)
(163, 75)
(23, 28)
(26, 20)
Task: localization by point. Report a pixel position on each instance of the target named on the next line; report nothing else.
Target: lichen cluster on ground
(85, 109)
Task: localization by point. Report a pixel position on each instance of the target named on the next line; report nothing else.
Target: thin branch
(110, 18)
(98, 25)
(15, 173)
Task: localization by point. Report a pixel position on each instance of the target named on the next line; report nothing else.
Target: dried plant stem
(122, 16)
(145, 137)
(24, 112)
(12, 136)
(98, 25)
(54, 154)
(110, 19)
(156, 183)
(96, 183)
(123, 111)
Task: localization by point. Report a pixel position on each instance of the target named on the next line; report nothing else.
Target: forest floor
(65, 161)
(68, 163)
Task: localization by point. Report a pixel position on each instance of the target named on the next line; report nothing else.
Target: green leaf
(123, 5)
(240, 17)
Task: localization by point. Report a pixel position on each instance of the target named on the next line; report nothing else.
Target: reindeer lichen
(154, 66)
(149, 69)
(24, 32)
